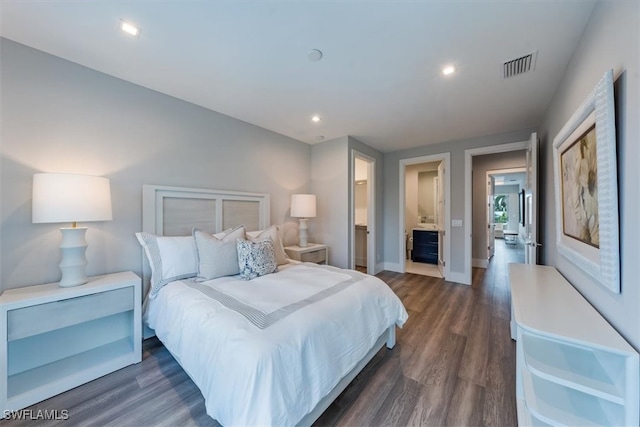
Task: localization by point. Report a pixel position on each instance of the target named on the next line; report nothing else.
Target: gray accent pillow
(217, 254)
(273, 233)
(256, 258)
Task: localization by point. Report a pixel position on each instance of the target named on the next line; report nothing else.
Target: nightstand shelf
(314, 252)
(54, 339)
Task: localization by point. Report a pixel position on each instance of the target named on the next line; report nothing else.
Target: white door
(491, 235)
(440, 215)
(531, 203)
(371, 217)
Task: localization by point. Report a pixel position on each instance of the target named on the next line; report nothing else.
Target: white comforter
(275, 375)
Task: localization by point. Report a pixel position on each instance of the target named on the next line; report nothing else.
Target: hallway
(507, 253)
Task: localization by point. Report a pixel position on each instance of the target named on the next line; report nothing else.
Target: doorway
(530, 196)
(362, 218)
(432, 223)
(504, 219)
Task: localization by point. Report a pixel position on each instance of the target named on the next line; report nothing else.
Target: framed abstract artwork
(586, 187)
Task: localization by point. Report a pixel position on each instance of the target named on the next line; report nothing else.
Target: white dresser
(573, 368)
(53, 339)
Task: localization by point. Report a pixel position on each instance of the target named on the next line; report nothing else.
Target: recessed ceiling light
(449, 69)
(316, 119)
(130, 29)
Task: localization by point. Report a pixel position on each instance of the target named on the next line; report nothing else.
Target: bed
(273, 350)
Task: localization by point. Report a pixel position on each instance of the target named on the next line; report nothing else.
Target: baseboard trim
(480, 263)
(392, 266)
(379, 267)
(458, 278)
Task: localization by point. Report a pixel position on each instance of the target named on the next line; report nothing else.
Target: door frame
(531, 226)
(445, 158)
(371, 214)
(468, 181)
(491, 231)
(440, 199)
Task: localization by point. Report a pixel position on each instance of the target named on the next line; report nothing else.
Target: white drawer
(37, 319)
(314, 256)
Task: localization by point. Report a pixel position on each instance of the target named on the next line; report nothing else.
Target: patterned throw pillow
(256, 258)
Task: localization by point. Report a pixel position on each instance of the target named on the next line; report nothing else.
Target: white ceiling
(380, 78)
(513, 178)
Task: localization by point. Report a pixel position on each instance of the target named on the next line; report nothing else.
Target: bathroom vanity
(425, 244)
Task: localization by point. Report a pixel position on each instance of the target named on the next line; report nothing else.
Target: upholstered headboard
(174, 211)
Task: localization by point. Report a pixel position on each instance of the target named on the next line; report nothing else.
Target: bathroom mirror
(428, 196)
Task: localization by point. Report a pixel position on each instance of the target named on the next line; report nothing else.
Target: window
(501, 209)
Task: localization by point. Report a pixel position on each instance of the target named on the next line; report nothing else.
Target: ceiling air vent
(519, 66)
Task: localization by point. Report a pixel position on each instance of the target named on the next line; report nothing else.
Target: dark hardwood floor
(453, 364)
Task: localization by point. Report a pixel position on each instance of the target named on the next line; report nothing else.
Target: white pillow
(256, 258)
(217, 254)
(271, 232)
(170, 257)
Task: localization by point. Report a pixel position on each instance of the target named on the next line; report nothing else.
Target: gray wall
(58, 116)
(329, 182)
(331, 178)
(611, 40)
(391, 210)
(482, 164)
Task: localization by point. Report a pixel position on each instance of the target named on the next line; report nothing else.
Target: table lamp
(303, 206)
(62, 197)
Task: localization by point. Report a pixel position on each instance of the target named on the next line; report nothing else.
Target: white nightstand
(53, 339)
(314, 252)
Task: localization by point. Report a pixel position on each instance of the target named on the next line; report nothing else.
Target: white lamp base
(303, 233)
(74, 261)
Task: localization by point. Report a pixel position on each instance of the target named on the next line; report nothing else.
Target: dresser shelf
(576, 367)
(572, 367)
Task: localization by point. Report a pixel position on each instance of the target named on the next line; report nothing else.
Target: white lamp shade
(303, 205)
(62, 197)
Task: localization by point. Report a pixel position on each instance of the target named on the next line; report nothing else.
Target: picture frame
(586, 187)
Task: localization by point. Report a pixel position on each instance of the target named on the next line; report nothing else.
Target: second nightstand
(314, 252)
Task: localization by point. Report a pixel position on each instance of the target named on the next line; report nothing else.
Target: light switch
(456, 223)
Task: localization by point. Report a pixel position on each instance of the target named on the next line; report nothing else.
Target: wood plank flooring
(453, 364)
